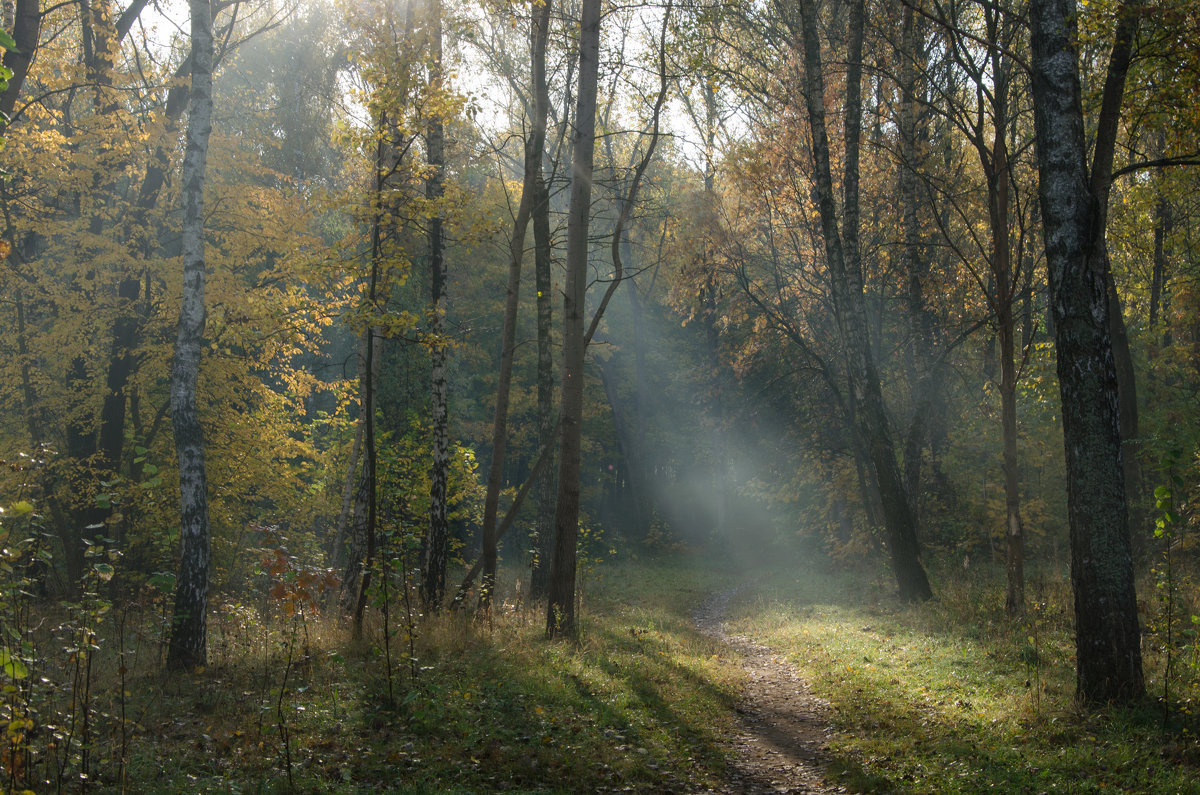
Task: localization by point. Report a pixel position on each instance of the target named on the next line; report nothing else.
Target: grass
(641, 701)
(951, 697)
(947, 697)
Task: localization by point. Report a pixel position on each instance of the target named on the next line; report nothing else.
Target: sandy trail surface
(782, 728)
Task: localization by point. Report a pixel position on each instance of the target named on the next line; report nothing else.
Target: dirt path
(780, 740)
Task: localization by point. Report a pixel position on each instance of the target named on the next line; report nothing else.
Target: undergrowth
(289, 704)
(946, 697)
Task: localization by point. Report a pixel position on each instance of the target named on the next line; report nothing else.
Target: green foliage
(7, 42)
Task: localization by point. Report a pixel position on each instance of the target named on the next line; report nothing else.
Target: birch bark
(188, 647)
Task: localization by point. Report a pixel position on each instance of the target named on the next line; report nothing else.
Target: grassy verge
(950, 697)
(640, 702)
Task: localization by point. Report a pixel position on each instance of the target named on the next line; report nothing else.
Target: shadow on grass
(508, 711)
(940, 698)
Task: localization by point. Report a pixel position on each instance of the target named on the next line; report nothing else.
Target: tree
(369, 382)
(560, 619)
(188, 647)
(981, 43)
(560, 610)
(539, 578)
(1073, 202)
(842, 254)
(437, 538)
(27, 23)
(532, 190)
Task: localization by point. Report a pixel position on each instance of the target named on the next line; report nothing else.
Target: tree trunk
(560, 612)
(1127, 401)
(842, 256)
(534, 149)
(437, 540)
(1014, 600)
(996, 168)
(27, 23)
(188, 647)
(1107, 638)
(358, 566)
(539, 578)
(1158, 280)
(370, 460)
(920, 348)
(126, 330)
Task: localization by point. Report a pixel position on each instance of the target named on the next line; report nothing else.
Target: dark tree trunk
(356, 585)
(997, 170)
(1107, 638)
(121, 360)
(369, 487)
(560, 611)
(539, 576)
(913, 137)
(1158, 280)
(188, 647)
(842, 257)
(539, 582)
(27, 24)
(535, 148)
(1127, 401)
(128, 327)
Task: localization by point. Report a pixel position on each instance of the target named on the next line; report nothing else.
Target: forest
(726, 396)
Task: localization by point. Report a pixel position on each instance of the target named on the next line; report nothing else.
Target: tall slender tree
(839, 232)
(535, 147)
(985, 114)
(539, 577)
(188, 647)
(560, 611)
(437, 539)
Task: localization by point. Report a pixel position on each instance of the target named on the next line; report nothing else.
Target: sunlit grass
(952, 697)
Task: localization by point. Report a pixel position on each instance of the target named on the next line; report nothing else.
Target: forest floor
(779, 746)
(806, 678)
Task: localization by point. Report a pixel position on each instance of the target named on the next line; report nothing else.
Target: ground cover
(946, 697)
(642, 702)
(952, 697)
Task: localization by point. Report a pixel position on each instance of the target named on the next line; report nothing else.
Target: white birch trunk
(188, 647)
(434, 584)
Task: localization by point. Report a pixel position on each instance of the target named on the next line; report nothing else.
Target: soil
(779, 746)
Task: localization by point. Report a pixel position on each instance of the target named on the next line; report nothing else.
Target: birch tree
(188, 647)
(437, 540)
